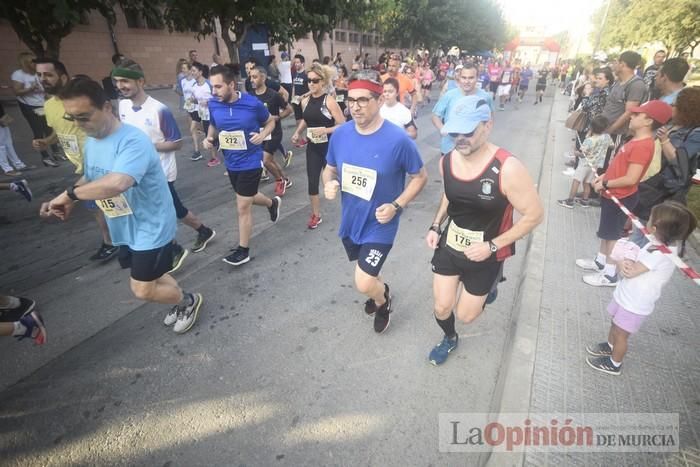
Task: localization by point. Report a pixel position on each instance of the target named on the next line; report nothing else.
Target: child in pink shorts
(643, 279)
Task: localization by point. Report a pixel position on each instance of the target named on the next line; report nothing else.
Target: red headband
(366, 84)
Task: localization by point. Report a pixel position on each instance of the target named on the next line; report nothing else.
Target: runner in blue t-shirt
(124, 176)
(368, 160)
(466, 79)
(525, 77)
(239, 124)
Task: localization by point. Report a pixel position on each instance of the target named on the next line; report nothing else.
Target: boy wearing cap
(621, 179)
(368, 160)
(483, 184)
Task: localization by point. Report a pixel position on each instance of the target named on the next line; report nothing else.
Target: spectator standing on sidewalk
(669, 79)
(649, 75)
(10, 163)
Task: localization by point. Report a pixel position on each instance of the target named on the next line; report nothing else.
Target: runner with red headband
(368, 160)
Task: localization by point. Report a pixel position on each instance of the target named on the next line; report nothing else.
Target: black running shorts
(478, 277)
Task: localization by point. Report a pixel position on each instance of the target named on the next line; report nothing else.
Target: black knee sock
(447, 325)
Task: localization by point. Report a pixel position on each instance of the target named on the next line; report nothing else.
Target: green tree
(42, 24)
(236, 19)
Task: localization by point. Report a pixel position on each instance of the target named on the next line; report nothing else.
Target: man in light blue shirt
(669, 79)
(467, 79)
(124, 177)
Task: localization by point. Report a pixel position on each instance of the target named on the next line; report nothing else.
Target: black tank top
(478, 204)
(316, 114)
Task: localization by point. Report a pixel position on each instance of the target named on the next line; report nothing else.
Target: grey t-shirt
(633, 90)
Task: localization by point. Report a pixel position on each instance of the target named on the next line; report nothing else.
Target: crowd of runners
(357, 127)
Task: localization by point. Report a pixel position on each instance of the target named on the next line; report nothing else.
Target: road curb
(514, 386)
(694, 240)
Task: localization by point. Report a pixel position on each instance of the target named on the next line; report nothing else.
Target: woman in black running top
(321, 115)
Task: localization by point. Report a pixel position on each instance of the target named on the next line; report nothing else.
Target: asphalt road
(282, 368)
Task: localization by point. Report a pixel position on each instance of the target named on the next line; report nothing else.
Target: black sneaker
(10, 315)
(382, 316)
(605, 365)
(567, 203)
(197, 156)
(105, 253)
(202, 240)
(599, 350)
(238, 257)
(371, 305)
(179, 255)
(275, 208)
(22, 187)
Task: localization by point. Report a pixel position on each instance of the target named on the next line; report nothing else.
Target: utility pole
(602, 26)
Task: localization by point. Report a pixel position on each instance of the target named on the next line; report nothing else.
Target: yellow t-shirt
(71, 137)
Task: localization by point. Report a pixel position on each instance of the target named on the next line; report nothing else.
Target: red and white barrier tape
(684, 268)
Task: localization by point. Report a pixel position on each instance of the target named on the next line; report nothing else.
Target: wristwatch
(70, 191)
(435, 228)
(605, 184)
(397, 206)
(492, 247)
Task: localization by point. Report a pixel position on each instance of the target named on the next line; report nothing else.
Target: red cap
(656, 110)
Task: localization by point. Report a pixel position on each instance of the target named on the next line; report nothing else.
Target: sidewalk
(661, 371)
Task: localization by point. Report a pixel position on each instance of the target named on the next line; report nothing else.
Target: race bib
(203, 112)
(359, 181)
(340, 98)
(268, 138)
(322, 138)
(296, 100)
(114, 207)
(69, 143)
(459, 239)
(232, 140)
(39, 111)
(190, 105)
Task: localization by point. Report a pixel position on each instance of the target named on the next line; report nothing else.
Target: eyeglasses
(315, 80)
(78, 118)
(361, 102)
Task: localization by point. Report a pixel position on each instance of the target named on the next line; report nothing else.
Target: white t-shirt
(398, 114)
(187, 85)
(35, 99)
(158, 122)
(202, 93)
(639, 294)
(285, 69)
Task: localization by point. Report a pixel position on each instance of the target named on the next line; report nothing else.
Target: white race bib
(190, 105)
(268, 137)
(322, 138)
(296, 100)
(69, 143)
(359, 181)
(203, 112)
(459, 239)
(340, 98)
(116, 206)
(232, 140)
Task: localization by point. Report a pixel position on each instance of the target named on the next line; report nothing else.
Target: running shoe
(10, 315)
(238, 257)
(382, 316)
(440, 352)
(203, 238)
(22, 187)
(589, 264)
(213, 162)
(371, 305)
(491, 297)
(584, 203)
(105, 253)
(567, 203)
(288, 158)
(49, 162)
(179, 255)
(265, 176)
(599, 350)
(171, 317)
(280, 187)
(288, 182)
(600, 280)
(275, 209)
(187, 316)
(196, 156)
(34, 324)
(605, 365)
(13, 173)
(314, 221)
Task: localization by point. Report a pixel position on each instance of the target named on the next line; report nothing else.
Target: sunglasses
(78, 118)
(315, 80)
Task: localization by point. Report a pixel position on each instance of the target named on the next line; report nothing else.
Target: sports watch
(397, 206)
(492, 247)
(70, 191)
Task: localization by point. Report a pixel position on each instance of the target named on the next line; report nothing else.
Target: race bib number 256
(359, 181)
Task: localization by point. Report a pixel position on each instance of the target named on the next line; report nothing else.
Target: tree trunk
(53, 47)
(317, 36)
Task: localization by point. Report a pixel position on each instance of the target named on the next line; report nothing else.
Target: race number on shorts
(320, 139)
(459, 239)
(359, 181)
(116, 206)
(232, 140)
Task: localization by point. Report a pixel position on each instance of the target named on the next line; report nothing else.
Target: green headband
(126, 73)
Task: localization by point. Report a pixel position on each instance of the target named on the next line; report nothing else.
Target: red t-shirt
(634, 152)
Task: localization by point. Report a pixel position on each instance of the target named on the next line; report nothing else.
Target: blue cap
(466, 114)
